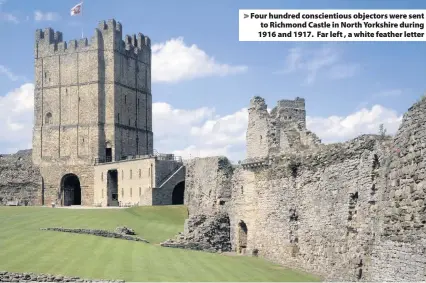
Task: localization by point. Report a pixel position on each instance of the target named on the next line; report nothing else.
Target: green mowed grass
(26, 248)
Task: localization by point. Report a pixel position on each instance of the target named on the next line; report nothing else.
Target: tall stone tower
(92, 102)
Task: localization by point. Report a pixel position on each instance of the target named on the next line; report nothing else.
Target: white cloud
(9, 74)
(199, 132)
(47, 16)
(16, 118)
(196, 132)
(364, 121)
(8, 17)
(313, 63)
(175, 61)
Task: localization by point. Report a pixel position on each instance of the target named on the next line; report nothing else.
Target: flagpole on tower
(82, 26)
(78, 10)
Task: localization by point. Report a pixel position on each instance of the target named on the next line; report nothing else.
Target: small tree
(382, 131)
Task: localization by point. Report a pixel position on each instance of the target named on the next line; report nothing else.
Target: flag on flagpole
(76, 10)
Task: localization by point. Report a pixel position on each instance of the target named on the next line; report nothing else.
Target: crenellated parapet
(107, 36)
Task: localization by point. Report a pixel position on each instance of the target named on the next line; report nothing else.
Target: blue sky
(379, 80)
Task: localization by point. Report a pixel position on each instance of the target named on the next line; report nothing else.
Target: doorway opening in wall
(178, 193)
(242, 237)
(112, 188)
(71, 190)
(108, 154)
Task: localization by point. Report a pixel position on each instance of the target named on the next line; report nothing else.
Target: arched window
(48, 118)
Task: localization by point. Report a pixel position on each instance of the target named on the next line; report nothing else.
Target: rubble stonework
(100, 233)
(204, 232)
(281, 130)
(33, 277)
(352, 211)
(20, 181)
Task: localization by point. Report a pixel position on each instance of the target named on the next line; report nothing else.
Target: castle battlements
(108, 35)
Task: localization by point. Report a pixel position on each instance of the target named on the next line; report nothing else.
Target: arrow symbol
(245, 16)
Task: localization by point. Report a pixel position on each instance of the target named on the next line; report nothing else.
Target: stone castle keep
(352, 211)
(93, 138)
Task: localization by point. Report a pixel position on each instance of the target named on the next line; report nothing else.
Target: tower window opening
(48, 118)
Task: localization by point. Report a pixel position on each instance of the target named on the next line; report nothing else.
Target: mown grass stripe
(25, 248)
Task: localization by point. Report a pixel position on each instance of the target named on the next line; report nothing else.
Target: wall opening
(112, 188)
(178, 193)
(71, 190)
(48, 118)
(108, 154)
(242, 237)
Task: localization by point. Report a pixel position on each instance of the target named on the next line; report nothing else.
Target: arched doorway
(178, 193)
(71, 190)
(242, 237)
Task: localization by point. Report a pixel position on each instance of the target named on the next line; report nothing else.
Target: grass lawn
(25, 248)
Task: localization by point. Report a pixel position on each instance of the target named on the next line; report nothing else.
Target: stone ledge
(32, 277)
(100, 233)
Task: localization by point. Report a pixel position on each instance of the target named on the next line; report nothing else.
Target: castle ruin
(352, 211)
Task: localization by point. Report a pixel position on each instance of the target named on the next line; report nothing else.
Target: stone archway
(71, 190)
(178, 193)
(242, 237)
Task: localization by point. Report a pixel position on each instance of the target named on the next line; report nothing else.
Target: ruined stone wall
(317, 211)
(207, 184)
(258, 136)
(20, 181)
(283, 130)
(400, 253)
(352, 211)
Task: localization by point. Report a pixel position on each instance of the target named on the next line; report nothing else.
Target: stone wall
(310, 211)
(96, 232)
(352, 211)
(207, 185)
(400, 253)
(281, 130)
(33, 277)
(92, 101)
(20, 181)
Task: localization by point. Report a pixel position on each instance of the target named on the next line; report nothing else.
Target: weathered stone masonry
(20, 181)
(92, 102)
(352, 211)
